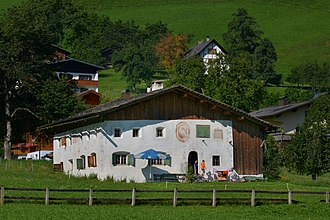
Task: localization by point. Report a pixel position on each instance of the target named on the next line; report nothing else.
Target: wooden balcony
(87, 83)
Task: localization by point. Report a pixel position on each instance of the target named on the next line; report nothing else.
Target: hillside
(298, 29)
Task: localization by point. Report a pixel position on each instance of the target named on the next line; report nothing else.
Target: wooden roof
(97, 113)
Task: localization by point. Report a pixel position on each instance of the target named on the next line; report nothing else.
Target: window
(165, 162)
(63, 141)
(92, 160)
(81, 163)
(212, 51)
(136, 132)
(76, 139)
(85, 77)
(117, 132)
(218, 134)
(216, 160)
(156, 162)
(160, 132)
(203, 131)
(123, 158)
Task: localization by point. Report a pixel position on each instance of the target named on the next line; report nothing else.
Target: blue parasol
(150, 155)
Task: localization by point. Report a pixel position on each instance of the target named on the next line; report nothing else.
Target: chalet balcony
(87, 83)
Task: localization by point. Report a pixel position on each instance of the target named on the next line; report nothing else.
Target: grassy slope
(298, 28)
(20, 174)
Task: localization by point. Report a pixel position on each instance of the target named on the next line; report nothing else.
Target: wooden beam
(226, 112)
(201, 101)
(214, 107)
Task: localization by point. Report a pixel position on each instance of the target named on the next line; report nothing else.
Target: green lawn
(39, 174)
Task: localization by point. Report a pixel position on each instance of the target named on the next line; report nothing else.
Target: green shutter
(80, 164)
(114, 159)
(131, 159)
(167, 161)
(202, 131)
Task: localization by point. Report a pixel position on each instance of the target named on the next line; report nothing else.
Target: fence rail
(214, 195)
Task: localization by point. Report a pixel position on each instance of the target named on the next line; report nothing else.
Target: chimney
(283, 101)
(125, 94)
(207, 38)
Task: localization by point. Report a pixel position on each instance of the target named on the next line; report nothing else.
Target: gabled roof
(196, 50)
(62, 50)
(277, 110)
(118, 104)
(88, 92)
(74, 66)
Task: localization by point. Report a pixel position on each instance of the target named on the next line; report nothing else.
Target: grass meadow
(39, 174)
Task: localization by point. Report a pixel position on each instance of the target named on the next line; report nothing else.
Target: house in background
(286, 116)
(180, 123)
(85, 74)
(208, 51)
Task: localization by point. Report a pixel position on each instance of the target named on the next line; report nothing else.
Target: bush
(272, 159)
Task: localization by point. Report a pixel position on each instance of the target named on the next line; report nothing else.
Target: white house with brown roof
(180, 123)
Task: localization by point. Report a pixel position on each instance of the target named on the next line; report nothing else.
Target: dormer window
(117, 132)
(136, 132)
(160, 132)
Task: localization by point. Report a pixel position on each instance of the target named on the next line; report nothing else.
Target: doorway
(192, 157)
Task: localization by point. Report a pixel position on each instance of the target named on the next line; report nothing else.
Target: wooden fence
(214, 196)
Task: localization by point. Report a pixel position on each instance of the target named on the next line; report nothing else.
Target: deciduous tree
(171, 48)
(309, 151)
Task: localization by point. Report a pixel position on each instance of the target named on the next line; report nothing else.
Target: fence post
(175, 197)
(289, 197)
(214, 198)
(2, 195)
(133, 196)
(327, 197)
(90, 200)
(47, 197)
(253, 198)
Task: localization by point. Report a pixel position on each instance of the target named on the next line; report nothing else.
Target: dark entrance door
(192, 157)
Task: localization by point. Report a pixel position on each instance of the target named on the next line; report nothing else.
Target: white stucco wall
(206, 56)
(99, 139)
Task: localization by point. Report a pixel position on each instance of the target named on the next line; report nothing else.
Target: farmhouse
(180, 123)
(286, 116)
(208, 51)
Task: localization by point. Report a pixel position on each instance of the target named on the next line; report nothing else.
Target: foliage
(312, 73)
(27, 33)
(298, 95)
(188, 72)
(309, 151)
(171, 48)
(233, 85)
(138, 62)
(244, 38)
(58, 99)
(272, 159)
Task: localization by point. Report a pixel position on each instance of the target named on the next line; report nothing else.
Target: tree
(138, 63)
(309, 151)
(188, 72)
(58, 99)
(26, 35)
(244, 38)
(171, 48)
(272, 160)
(234, 85)
(312, 73)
